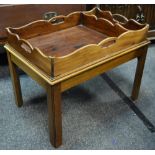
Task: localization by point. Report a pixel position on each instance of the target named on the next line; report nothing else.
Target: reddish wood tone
(70, 39)
(15, 81)
(54, 114)
(61, 63)
(59, 48)
(131, 11)
(139, 74)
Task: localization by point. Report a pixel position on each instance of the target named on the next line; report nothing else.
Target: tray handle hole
(108, 43)
(26, 48)
(57, 19)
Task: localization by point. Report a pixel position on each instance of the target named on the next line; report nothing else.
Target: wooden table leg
(138, 76)
(54, 114)
(15, 81)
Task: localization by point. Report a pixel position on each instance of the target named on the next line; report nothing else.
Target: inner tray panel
(66, 41)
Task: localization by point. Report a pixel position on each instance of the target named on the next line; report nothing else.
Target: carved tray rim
(54, 64)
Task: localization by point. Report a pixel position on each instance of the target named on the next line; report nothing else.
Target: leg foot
(15, 82)
(54, 114)
(138, 77)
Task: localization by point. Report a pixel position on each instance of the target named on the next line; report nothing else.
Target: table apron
(84, 76)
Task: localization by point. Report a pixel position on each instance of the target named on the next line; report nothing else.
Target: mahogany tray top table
(68, 50)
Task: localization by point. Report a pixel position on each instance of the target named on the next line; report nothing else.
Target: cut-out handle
(107, 42)
(57, 19)
(26, 47)
(120, 18)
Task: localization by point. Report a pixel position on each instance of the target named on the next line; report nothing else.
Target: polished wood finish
(73, 68)
(99, 69)
(34, 74)
(138, 76)
(54, 114)
(39, 75)
(131, 11)
(67, 82)
(70, 39)
(15, 81)
(129, 24)
(61, 48)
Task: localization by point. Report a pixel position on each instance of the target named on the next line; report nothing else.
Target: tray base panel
(66, 41)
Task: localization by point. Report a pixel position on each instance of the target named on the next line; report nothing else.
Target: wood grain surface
(64, 43)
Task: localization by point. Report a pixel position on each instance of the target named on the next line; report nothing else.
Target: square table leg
(54, 114)
(138, 76)
(15, 81)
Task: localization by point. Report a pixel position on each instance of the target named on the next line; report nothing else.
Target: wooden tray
(118, 18)
(130, 24)
(65, 44)
(13, 12)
